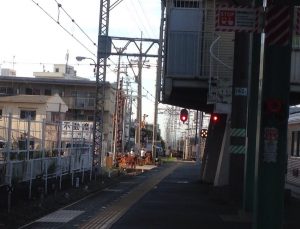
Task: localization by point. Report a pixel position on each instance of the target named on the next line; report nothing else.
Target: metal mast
(102, 54)
(105, 44)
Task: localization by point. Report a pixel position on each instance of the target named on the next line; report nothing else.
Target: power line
(146, 18)
(60, 6)
(37, 4)
(148, 93)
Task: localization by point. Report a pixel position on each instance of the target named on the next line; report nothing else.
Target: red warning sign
(227, 18)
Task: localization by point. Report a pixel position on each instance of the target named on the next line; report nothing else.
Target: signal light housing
(203, 133)
(184, 114)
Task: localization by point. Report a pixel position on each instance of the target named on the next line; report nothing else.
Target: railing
(34, 148)
(13, 172)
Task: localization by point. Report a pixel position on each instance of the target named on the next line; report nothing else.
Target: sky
(32, 37)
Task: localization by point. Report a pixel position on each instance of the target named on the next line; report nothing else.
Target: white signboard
(220, 91)
(77, 129)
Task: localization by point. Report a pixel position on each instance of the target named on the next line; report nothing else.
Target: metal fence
(31, 149)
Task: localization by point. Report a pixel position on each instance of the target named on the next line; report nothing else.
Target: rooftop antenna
(13, 63)
(67, 60)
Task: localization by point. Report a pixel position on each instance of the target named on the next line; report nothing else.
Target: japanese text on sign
(73, 129)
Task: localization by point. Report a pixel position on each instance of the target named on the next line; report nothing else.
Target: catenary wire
(72, 19)
(146, 18)
(38, 5)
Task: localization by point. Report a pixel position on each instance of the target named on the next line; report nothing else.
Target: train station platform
(170, 195)
(181, 200)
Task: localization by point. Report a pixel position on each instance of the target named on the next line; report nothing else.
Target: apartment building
(77, 93)
(27, 121)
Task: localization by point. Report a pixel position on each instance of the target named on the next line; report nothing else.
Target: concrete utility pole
(117, 147)
(139, 101)
(115, 124)
(158, 79)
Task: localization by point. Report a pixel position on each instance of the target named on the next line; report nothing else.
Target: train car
(293, 153)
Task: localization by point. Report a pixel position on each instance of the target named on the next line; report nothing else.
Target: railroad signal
(215, 118)
(274, 110)
(184, 114)
(203, 133)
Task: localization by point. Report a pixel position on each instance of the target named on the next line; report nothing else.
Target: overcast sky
(32, 41)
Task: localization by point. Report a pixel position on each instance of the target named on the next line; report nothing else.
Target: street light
(80, 58)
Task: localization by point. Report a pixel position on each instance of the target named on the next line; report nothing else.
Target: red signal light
(184, 115)
(215, 118)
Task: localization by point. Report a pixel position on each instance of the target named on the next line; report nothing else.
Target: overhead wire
(148, 93)
(38, 5)
(117, 2)
(146, 18)
(139, 19)
(72, 19)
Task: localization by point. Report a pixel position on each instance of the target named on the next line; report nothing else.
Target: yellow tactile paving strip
(60, 216)
(112, 213)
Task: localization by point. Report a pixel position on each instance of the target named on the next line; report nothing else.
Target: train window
(295, 144)
(292, 143)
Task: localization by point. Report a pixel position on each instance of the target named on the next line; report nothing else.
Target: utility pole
(158, 81)
(117, 146)
(139, 101)
(115, 124)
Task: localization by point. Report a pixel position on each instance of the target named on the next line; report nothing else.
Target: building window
(186, 3)
(28, 91)
(2, 90)
(23, 144)
(6, 91)
(36, 91)
(0, 113)
(80, 103)
(10, 91)
(25, 114)
(47, 91)
(55, 116)
(90, 118)
(91, 102)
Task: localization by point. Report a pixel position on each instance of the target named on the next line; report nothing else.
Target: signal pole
(273, 107)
